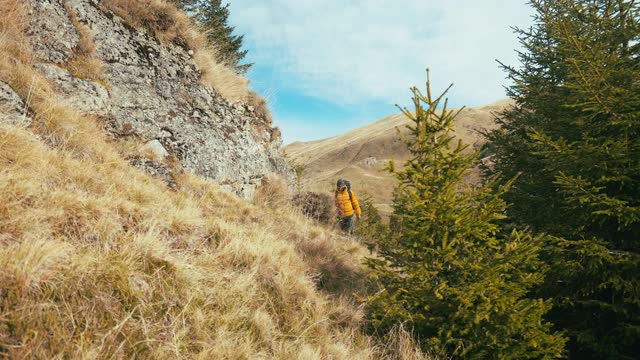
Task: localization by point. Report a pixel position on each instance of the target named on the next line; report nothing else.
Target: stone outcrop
(81, 94)
(12, 108)
(154, 90)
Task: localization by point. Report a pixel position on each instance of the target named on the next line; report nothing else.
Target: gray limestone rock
(13, 111)
(155, 149)
(84, 95)
(52, 33)
(155, 91)
(371, 162)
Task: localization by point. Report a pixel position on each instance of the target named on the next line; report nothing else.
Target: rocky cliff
(149, 90)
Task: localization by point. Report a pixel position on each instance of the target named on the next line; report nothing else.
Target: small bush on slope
(317, 206)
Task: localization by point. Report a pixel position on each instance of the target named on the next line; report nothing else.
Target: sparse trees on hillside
(574, 138)
(213, 17)
(447, 268)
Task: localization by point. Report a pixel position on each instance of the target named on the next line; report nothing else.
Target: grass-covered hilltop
(147, 210)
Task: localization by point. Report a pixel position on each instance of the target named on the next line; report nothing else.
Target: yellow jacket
(346, 207)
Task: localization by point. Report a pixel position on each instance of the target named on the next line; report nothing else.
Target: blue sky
(328, 66)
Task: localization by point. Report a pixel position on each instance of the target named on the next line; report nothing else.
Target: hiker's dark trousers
(347, 224)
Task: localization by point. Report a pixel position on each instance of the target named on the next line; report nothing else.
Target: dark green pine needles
(573, 135)
(213, 17)
(448, 268)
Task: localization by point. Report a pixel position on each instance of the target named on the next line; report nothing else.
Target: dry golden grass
(160, 17)
(261, 108)
(99, 260)
(272, 192)
(11, 26)
(84, 64)
(87, 68)
(171, 25)
(401, 346)
(219, 76)
(57, 124)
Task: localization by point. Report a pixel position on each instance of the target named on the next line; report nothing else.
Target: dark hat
(340, 182)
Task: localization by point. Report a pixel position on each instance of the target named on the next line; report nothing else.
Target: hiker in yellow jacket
(347, 205)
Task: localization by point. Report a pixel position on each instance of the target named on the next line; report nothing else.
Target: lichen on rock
(13, 111)
(155, 91)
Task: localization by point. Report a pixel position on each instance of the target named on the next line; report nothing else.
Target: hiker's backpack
(349, 189)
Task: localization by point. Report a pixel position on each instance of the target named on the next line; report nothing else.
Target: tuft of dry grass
(261, 108)
(272, 192)
(12, 23)
(84, 64)
(86, 67)
(219, 76)
(400, 345)
(162, 18)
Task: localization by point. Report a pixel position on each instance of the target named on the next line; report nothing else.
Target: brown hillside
(359, 155)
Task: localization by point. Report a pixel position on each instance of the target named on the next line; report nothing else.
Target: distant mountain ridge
(359, 155)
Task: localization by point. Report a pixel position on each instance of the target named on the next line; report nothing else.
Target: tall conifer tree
(447, 268)
(573, 135)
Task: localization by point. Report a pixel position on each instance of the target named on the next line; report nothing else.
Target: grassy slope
(98, 260)
(344, 156)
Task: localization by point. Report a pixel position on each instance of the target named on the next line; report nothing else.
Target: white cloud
(349, 51)
(297, 130)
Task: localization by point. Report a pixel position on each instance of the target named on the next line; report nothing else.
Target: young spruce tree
(447, 268)
(371, 226)
(573, 135)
